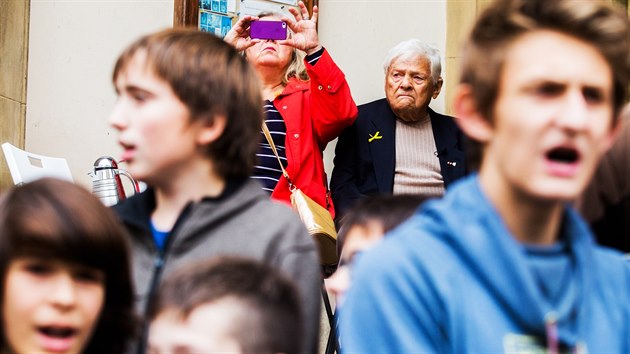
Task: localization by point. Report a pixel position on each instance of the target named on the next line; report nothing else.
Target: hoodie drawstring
(551, 329)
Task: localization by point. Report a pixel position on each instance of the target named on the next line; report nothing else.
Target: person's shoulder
(249, 214)
(369, 106)
(414, 241)
(444, 117)
(608, 264)
(137, 206)
(251, 198)
(611, 272)
(445, 123)
(282, 212)
(378, 109)
(611, 260)
(280, 225)
(278, 218)
(464, 199)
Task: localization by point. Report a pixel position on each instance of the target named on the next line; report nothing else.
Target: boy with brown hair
(189, 116)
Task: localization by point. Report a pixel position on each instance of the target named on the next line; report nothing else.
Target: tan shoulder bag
(316, 218)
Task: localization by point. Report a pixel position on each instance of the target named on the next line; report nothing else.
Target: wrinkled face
(268, 53)
(156, 134)
(552, 117)
(409, 88)
(209, 328)
(358, 239)
(50, 306)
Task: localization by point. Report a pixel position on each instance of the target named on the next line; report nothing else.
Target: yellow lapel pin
(376, 136)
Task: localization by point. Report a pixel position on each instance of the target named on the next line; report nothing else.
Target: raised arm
(304, 29)
(238, 36)
(331, 104)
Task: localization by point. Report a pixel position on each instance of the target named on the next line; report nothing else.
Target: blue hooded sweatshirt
(452, 279)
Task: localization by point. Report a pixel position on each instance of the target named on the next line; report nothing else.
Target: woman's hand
(238, 36)
(305, 36)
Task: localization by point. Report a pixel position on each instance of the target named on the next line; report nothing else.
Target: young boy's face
(156, 134)
(358, 239)
(209, 328)
(552, 117)
(50, 306)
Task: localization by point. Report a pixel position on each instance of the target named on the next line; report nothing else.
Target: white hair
(415, 47)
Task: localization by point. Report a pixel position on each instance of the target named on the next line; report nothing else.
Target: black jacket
(365, 168)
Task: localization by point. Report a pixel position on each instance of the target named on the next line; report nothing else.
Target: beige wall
(13, 61)
(73, 46)
(459, 19)
(359, 33)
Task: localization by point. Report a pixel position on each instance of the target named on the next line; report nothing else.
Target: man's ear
(211, 130)
(470, 120)
(619, 126)
(438, 87)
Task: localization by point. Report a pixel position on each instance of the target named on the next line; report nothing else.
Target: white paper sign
(254, 7)
(289, 2)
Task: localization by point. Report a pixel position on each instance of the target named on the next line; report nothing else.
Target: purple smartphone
(268, 30)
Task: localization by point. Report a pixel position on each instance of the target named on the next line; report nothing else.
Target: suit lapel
(447, 140)
(382, 150)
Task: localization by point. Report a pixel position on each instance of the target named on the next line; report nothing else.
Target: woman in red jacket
(307, 103)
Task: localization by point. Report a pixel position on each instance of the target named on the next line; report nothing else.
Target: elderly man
(398, 144)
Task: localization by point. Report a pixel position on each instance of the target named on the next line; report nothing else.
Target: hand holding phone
(276, 30)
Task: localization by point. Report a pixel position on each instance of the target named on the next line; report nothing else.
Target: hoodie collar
(239, 193)
(488, 247)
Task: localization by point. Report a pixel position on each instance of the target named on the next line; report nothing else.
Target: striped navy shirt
(267, 170)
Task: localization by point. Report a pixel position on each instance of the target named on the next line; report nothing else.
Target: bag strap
(292, 186)
(267, 134)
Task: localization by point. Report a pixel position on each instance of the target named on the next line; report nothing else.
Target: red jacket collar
(295, 85)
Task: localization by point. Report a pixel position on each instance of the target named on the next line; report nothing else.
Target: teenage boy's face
(156, 135)
(552, 117)
(50, 306)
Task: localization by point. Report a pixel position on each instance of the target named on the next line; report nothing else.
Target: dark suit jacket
(364, 168)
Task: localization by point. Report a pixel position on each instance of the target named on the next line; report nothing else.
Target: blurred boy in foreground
(502, 264)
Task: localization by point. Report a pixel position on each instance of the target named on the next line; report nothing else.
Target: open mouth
(564, 155)
(57, 339)
(128, 152)
(125, 145)
(58, 332)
